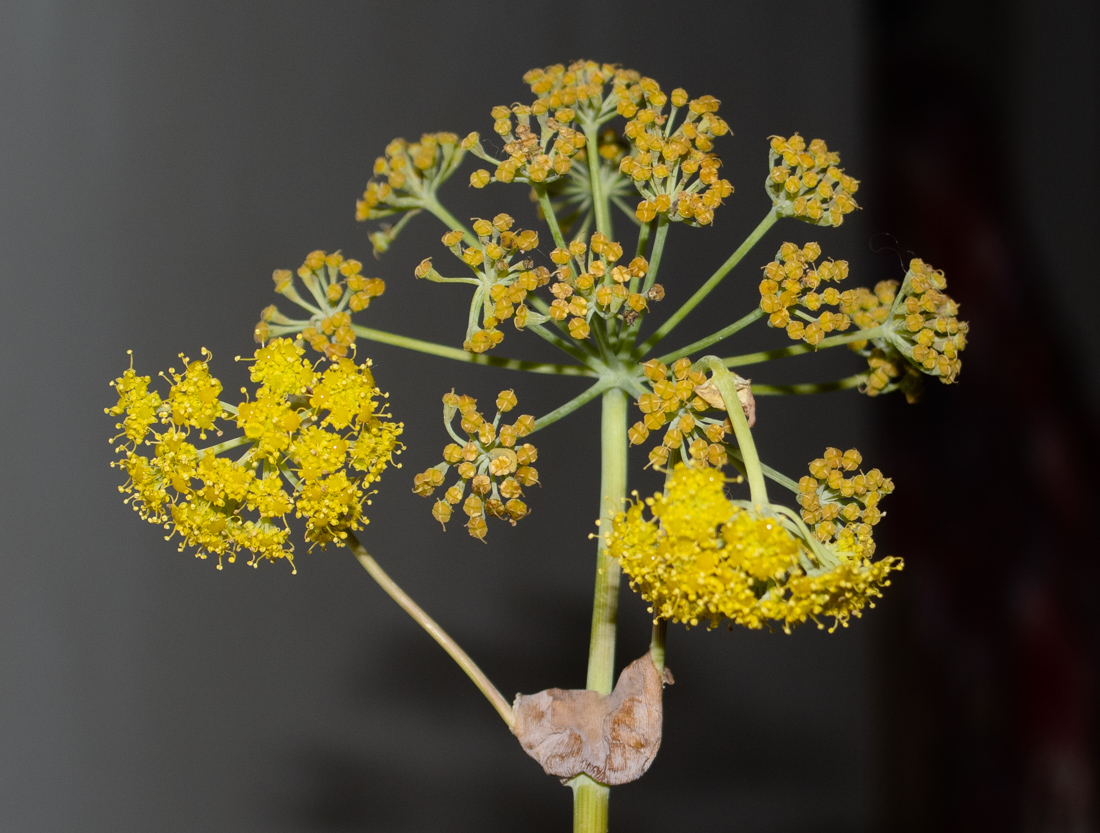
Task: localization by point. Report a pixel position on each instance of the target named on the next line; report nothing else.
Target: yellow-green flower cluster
(917, 325)
(530, 156)
(674, 402)
(673, 170)
(407, 176)
(588, 282)
(806, 183)
(841, 510)
(337, 288)
(502, 281)
(700, 557)
(793, 279)
(491, 461)
(322, 434)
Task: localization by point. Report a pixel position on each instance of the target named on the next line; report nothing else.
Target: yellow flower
(806, 182)
(323, 434)
(701, 557)
(492, 463)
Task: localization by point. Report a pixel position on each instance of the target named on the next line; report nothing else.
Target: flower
(407, 176)
(701, 557)
(793, 279)
(323, 435)
(806, 183)
(337, 288)
(676, 402)
(913, 330)
(491, 462)
(673, 170)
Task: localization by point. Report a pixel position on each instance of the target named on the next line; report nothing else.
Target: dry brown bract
(613, 739)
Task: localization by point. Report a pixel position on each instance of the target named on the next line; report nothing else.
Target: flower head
(700, 557)
(676, 402)
(806, 182)
(315, 442)
(913, 330)
(794, 279)
(409, 173)
(492, 462)
(337, 288)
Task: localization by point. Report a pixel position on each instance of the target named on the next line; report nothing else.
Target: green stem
(714, 338)
(810, 387)
(658, 251)
(799, 349)
(437, 633)
(600, 204)
(769, 472)
(657, 643)
(570, 406)
(712, 282)
(223, 446)
(589, 805)
(433, 206)
(446, 352)
(590, 799)
(563, 345)
(548, 213)
(727, 386)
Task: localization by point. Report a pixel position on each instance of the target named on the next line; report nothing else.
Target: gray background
(157, 161)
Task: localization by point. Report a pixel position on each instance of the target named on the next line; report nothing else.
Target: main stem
(590, 799)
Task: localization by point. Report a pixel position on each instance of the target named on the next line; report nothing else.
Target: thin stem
(727, 386)
(446, 352)
(560, 343)
(437, 633)
(657, 643)
(434, 207)
(223, 446)
(846, 383)
(600, 206)
(712, 282)
(799, 349)
(570, 406)
(658, 251)
(551, 218)
(714, 338)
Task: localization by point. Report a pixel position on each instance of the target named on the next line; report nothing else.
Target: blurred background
(158, 161)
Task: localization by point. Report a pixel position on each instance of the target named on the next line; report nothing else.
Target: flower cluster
(502, 281)
(701, 557)
(673, 170)
(676, 401)
(916, 325)
(589, 283)
(337, 288)
(806, 183)
(791, 280)
(529, 156)
(490, 461)
(841, 510)
(323, 434)
(407, 176)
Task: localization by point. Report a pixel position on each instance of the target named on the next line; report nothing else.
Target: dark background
(157, 161)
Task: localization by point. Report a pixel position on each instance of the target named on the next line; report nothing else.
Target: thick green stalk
(589, 805)
(589, 798)
(570, 406)
(657, 643)
(434, 207)
(437, 633)
(712, 282)
(446, 352)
